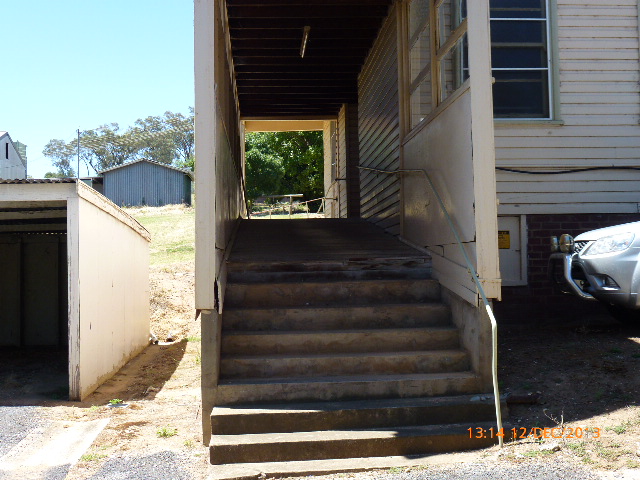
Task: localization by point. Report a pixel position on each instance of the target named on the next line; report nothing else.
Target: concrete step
(348, 387)
(309, 417)
(326, 265)
(264, 366)
(351, 292)
(346, 467)
(328, 275)
(280, 447)
(339, 341)
(336, 317)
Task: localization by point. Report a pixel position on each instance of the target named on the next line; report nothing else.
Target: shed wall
(144, 183)
(110, 292)
(379, 130)
(11, 167)
(599, 99)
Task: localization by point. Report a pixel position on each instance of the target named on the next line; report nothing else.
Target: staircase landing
(335, 240)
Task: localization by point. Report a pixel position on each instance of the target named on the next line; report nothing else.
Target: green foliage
(62, 155)
(167, 138)
(115, 401)
(284, 162)
(91, 457)
(165, 432)
(60, 174)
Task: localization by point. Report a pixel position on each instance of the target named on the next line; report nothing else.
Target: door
(510, 246)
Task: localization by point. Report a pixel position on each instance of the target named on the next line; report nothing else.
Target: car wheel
(624, 315)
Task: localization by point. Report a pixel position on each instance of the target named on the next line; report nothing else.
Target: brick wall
(538, 301)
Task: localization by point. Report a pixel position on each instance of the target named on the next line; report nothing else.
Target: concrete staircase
(355, 359)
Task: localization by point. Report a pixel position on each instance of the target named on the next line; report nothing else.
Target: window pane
(418, 15)
(421, 102)
(454, 68)
(518, 8)
(521, 94)
(521, 31)
(450, 16)
(514, 57)
(420, 54)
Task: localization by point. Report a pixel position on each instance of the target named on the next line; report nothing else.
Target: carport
(74, 278)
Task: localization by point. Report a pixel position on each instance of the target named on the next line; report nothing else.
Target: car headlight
(613, 243)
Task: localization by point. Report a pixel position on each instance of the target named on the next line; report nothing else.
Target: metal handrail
(474, 276)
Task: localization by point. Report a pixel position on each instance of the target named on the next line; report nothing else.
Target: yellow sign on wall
(504, 239)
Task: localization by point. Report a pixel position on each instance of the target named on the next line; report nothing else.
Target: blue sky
(72, 64)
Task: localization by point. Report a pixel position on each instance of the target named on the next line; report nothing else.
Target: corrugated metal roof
(38, 180)
(171, 167)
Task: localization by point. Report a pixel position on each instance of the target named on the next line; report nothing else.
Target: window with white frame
(419, 60)
(521, 59)
(437, 44)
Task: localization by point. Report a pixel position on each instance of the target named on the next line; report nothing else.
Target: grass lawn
(172, 232)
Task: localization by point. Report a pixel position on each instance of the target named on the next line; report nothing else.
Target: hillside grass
(172, 230)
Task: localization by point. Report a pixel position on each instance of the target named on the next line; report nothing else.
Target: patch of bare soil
(161, 387)
(579, 381)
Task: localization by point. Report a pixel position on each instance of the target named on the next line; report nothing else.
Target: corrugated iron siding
(379, 131)
(144, 183)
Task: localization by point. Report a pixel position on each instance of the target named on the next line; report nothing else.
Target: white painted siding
(379, 131)
(219, 185)
(12, 165)
(599, 103)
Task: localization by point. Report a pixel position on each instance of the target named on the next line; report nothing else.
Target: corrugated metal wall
(144, 183)
(379, 132)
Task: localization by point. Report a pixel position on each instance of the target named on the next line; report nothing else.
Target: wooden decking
(316, 240)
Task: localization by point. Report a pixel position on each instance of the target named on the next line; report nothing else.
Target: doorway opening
(285, 173)
(34, 345)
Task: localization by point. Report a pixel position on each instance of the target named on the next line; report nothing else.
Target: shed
(144, 182)
(13, 157)
(74, 270)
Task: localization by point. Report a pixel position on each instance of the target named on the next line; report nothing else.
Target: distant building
(13, 158)
(145, 182)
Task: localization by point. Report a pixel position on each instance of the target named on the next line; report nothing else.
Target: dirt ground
(582, 377)
(161, 386)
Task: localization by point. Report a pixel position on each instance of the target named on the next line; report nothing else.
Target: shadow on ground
(577, 367)
(39, 376)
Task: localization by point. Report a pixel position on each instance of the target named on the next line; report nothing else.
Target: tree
(56, 175)
(167, 139)
(264, 170)
(182, 132)
(61, 155)
(285, 162)
(104, 147)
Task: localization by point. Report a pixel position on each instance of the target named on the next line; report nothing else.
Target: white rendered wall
(109, 295)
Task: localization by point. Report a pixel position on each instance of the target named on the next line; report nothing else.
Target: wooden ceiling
(273, 80)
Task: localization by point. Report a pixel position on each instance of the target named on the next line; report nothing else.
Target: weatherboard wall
(379, 131)
(596, 125)
(11, 164)
(145, 183)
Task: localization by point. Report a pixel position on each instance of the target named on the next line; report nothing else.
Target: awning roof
(274, 80)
